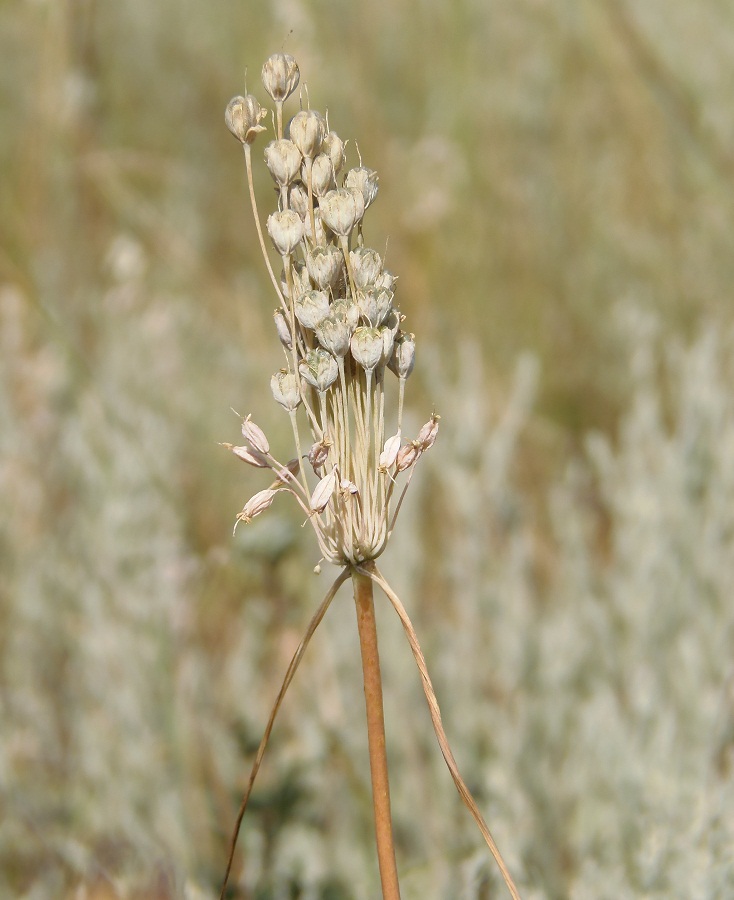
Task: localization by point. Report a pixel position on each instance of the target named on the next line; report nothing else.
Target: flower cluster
(339, 329)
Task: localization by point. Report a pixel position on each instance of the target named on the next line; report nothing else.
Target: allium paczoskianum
(345, 354)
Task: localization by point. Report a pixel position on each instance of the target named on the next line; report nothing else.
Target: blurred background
(556, 197)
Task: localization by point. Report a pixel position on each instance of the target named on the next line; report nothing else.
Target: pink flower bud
(427, 435)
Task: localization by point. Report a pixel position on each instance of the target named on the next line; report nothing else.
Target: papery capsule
(318, 454)
(390, 452)
(286, 230)
(284, 386)
(251, 457)
(366, 346)
(366, 266)
(324, 265)
(283, 160)
(407, 456)
(288, 472)
(280, 76)
(319, 368)
(255, 436)
(333, 146)
(307, 129)
(283, 329)
(341, 210)
(322, 175)
(255, 505)
(403, 355)
(334, 335)
(347, 311)
(365, 181)
(243, 116)
(427, 435)
(323, 492)
(298, 200)
(311, 308)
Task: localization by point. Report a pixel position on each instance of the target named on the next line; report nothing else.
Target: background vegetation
(556, 188)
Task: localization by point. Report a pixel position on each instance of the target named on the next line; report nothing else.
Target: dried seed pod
(312, 308)
(341, 209)
(403, 355)
(364, 180)
(319, 235)
(348, 488)
(280, 76)
(325, 265)
(283, 329)
(243, 116)
(288, 472)
(322, 175)
(390, 452)
(284, 386)
(333, 146)
(347, 311)
(286, 231)
(255, 436)
(319, 368)
(386, 280)
(366, 267)
(334, 335)
(255, 505)
(366, 346)
(318, 454)
(427, 435)
(252, 457)
(323, 492)
(298, 199)
(407, 456)
(307, 129)
(283, 160)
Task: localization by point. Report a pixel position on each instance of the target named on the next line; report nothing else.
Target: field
(556, 198)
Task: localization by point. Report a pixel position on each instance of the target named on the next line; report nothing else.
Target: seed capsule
(255, 505)
(255, 436)
(280, 76)
(284, 386)
(312, 308)
(341, 209)
(364, 180)
(403, 355)
(284, 332)
(323, 492)
(286, 231)
(283, 160)
(427, 435)
(334, 335)
(243, 116)
(319, 368)
(333, 146)
(324, 265)
(307, 129)
(366, 346)
(366, 266)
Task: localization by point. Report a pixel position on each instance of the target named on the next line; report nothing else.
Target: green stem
(376, 732)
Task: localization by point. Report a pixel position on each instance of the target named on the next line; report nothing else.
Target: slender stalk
(376, 733)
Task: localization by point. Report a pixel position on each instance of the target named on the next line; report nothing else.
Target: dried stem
(361, 579)
(291, 671)
(376, 576)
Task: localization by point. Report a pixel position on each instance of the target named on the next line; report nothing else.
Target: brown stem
(376, 733)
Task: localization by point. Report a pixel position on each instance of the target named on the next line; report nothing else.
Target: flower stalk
(367, 628)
